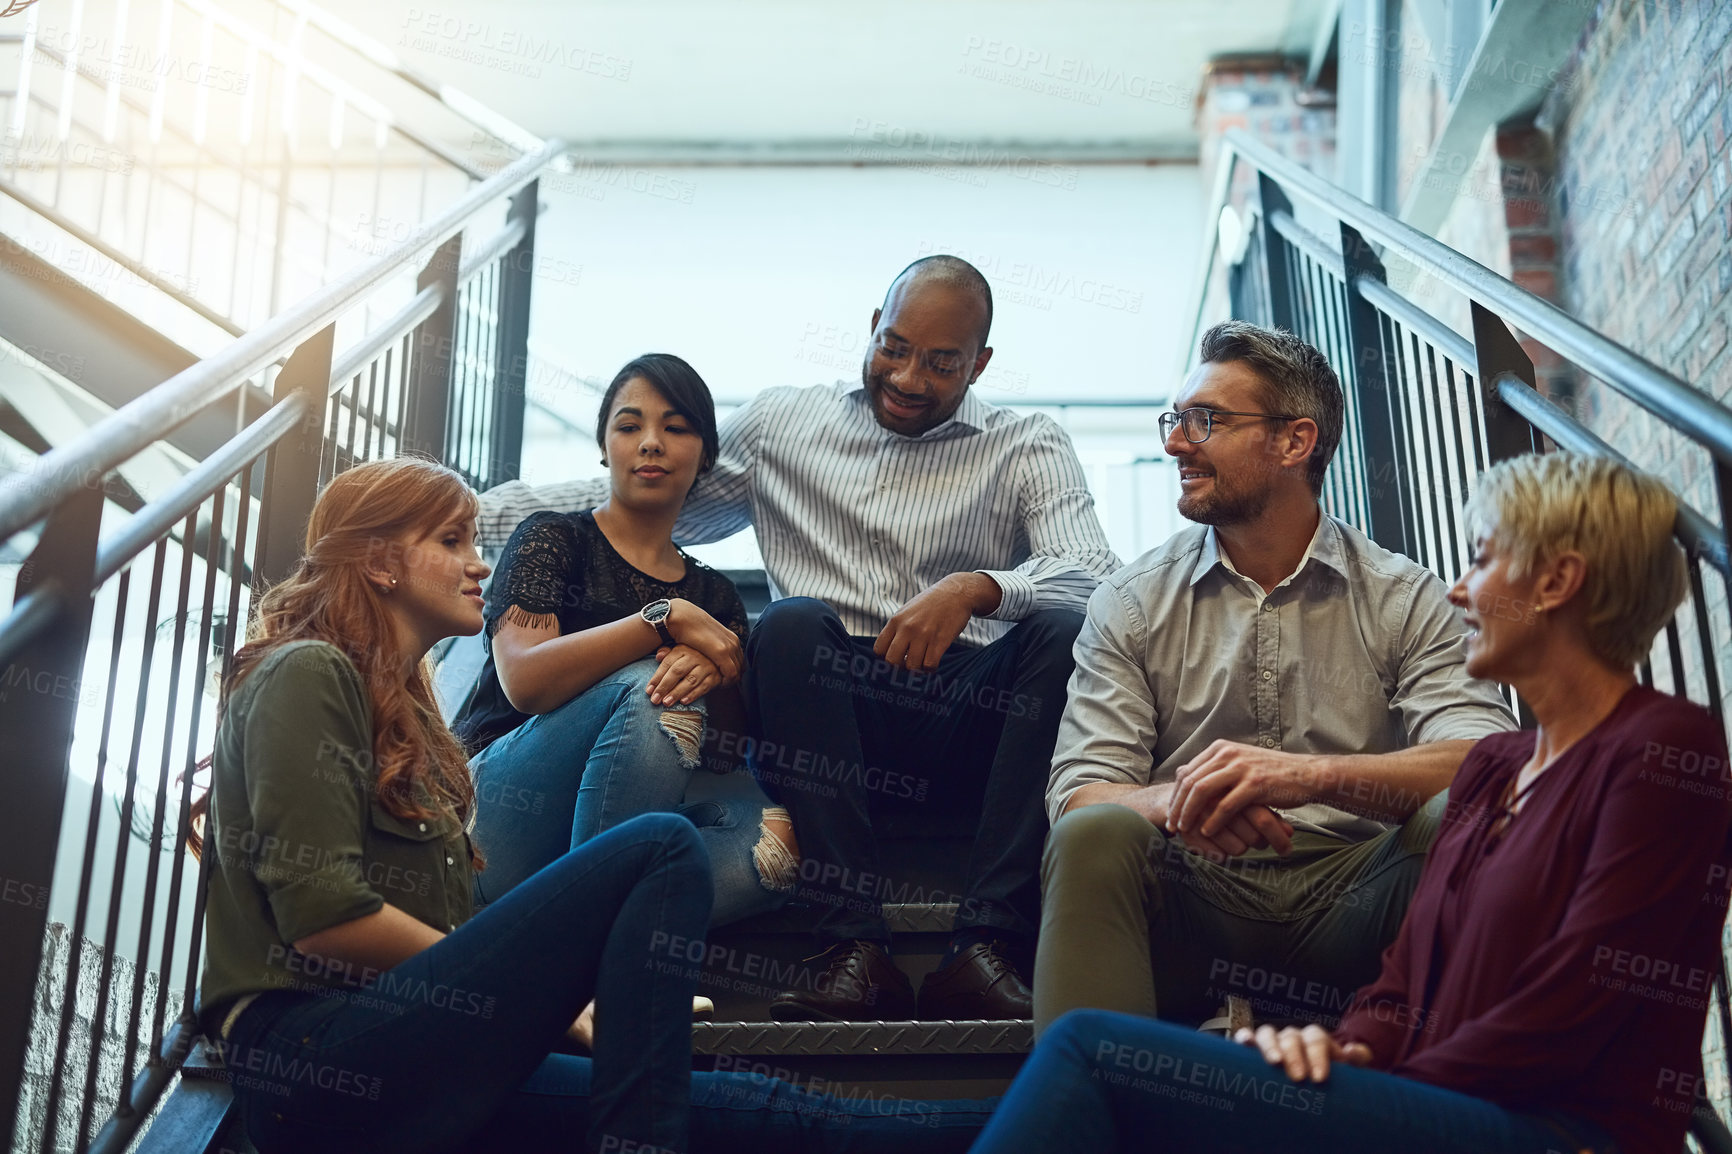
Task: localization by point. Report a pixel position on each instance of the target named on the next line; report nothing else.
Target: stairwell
(353, 171)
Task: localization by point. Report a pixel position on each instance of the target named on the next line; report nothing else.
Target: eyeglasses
(1199, 422)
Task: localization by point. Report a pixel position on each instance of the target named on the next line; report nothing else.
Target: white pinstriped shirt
(863, 518)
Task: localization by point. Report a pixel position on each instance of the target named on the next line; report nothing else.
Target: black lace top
(561, 563)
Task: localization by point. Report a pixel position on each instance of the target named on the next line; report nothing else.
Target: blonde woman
(1549, 986)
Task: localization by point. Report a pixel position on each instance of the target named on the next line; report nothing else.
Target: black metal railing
(1430, 408)
(117, 639)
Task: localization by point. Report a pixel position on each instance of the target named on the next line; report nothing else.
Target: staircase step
(797, 918)
(866, 1038)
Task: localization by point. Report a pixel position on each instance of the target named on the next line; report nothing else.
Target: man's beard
(1224, 509)
(875, 386)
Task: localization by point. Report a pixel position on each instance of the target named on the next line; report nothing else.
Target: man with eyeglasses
(1265, 713)
(932, 555)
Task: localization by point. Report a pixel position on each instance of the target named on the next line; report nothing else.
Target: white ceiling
(836, 76)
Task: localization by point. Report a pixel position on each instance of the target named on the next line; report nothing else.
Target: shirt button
(423, 827)
(1268, 675)
(1268, 607)
(449, 860)
(1268, 743)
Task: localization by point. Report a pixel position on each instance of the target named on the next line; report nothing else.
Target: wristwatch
(656, 613)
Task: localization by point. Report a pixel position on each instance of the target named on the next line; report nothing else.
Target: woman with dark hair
(357, 1003)
(1548, 988)
(611, 655)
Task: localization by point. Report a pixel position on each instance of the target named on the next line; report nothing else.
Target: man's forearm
(1148, 800)
(1387, 786)
(982, 592)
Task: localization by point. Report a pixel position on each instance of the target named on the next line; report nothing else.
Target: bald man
(932, 556)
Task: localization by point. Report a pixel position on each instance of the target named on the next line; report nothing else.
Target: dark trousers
(839, 732)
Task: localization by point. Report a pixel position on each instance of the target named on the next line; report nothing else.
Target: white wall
(768, 276)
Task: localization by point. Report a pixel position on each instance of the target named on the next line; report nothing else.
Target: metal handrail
(192, 490)
(420, 307)
(1641, 381)
(31, 617)
(1455, 346)
(23, 501)
(1698, 534)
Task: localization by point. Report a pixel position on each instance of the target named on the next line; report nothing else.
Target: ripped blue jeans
(605, 756)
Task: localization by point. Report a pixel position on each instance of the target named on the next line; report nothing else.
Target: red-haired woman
(358, 1005)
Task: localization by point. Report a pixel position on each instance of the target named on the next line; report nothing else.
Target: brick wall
(1267, 99)
(1642, 129)
(1642, 121)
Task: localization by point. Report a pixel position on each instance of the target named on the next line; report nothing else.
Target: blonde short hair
(1618, 518)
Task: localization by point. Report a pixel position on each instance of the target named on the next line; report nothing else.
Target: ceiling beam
(881, 146)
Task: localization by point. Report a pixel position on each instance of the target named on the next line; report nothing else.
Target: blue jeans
(1106, 1082)
(449, 1051)
(607, 755)
(455, 1041)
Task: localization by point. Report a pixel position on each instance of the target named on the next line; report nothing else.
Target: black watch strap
(659, 620)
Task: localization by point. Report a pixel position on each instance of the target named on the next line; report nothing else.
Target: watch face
(656, 612)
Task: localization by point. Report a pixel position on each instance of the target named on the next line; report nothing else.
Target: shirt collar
(970, 416)
(1325, 548)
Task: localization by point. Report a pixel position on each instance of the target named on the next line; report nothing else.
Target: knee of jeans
(685, 728)
(1054, 625)
(1083, 1033)
(1100, 840)
(777, 864)
(673, 832)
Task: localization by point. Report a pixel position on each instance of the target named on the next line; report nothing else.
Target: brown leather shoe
(860, 984)
(979, 984)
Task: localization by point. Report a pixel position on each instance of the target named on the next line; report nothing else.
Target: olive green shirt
(298, 841)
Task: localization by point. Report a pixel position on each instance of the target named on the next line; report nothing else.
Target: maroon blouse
(1566, 965)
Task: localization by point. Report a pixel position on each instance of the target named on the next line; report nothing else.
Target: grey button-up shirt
(1359, 651)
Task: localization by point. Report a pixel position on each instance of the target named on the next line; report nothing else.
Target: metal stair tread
(904, 918)
(1006, 1036)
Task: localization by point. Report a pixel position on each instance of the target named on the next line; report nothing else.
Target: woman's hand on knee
(683, 676)
(1305, 1054)
(695, 629)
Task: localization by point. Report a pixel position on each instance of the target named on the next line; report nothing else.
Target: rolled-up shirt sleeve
(1110, 723)
(506, 506)
(1434, 695)
(1068, 551)
(307, 739)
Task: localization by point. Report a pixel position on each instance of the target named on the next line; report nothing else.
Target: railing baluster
(1275, 255)
(1378, 435)
(430, 371)
(37, 735)
(511, 377)
(122, 851)
(1508, 434)
(207, 609)
(292, 474)
(153, 846)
